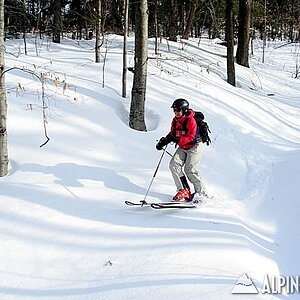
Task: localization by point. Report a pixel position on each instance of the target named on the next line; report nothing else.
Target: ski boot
(183, 195)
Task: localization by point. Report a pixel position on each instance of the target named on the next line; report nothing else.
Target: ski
(140, 203)
(161, 205)
(173, 205)
(137, 203)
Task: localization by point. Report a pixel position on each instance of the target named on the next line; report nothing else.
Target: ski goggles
(176, 109)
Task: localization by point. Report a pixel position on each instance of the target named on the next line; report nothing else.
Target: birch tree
(98, 31)
(3, 103)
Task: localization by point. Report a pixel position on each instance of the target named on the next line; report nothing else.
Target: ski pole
(159, 162)
(169, 153)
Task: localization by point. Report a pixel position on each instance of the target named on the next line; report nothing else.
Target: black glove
(161, 143)
(166, 140)
(172, 138)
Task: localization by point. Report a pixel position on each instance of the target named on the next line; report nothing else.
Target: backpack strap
(184, 124)
(197, 135)
(173, 126)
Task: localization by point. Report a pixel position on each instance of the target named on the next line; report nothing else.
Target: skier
(187, 156)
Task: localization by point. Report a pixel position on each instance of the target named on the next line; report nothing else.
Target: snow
(65, 230)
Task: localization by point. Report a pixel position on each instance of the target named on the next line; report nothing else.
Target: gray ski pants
(185, 162)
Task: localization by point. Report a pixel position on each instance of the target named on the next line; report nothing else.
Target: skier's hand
(161, 143)
(172, 138)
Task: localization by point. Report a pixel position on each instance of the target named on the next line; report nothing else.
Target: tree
(57, 23)
(230, 42)
(214, 7)
(98, 31)
(3, 103)
(125, 25)
(172, 21)
(138, 92)
(242, 53)
(190, 20)
(75, 17)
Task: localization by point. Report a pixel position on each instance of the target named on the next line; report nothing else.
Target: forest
(274, 19)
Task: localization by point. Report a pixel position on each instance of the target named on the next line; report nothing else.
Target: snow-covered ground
(65, 231)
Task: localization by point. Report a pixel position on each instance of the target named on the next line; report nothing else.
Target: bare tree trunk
(242, 53)
(156, 26)
(230, 42)
(190, 20)
(265, 31)
(57, 23)
(98, 32)
(3, 103)
(138, 92)
(291, 33)
(214, 31)
(124, 75)
(24, 28)
(173, 21)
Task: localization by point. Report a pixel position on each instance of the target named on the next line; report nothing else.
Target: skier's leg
(191, 168)
(176, 166)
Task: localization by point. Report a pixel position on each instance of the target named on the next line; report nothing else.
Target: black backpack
(203, 128)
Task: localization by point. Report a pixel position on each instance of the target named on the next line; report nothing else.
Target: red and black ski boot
(183, 195)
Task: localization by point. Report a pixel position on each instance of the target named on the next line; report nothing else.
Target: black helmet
(181, 104)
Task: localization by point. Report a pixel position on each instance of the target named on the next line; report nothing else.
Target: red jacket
(186, 137)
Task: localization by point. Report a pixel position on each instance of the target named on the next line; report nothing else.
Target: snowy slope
(65, 230)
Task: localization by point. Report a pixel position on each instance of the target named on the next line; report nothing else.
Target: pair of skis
(162, 205)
